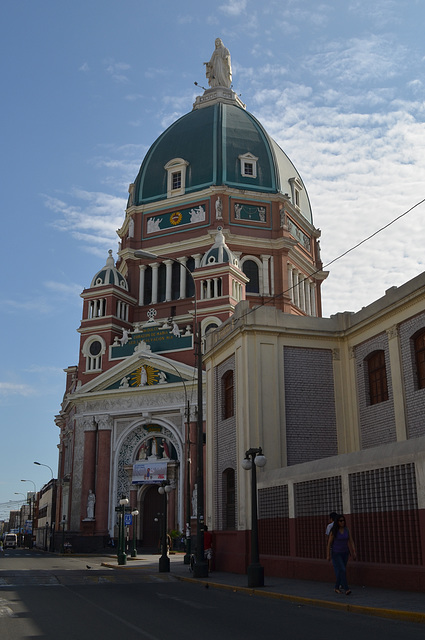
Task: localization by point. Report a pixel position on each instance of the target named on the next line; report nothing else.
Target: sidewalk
(386, 603)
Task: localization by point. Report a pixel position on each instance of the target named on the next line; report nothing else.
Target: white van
(10, 541)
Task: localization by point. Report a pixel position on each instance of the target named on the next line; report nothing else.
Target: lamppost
(122, 556)
(40, 464)
(200, 569)
(63, 523)
(17, 493)
(134, 513)
(150, 356)
(164, 562)
(254, 458)
(32, 506)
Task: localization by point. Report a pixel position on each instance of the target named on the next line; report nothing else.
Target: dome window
(176, 177)
(248, 165)
(296, 188)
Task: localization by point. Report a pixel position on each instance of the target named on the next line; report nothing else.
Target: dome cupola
(109, 275)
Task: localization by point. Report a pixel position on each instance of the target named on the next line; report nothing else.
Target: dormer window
(176, 177)
(248, 165)
(296, 188)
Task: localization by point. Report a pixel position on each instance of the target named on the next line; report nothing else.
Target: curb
(394, 614)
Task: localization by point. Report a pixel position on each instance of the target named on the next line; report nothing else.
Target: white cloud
(10, 388)
(116, 69)
(92, 218)
(233, 7)
(84, 67)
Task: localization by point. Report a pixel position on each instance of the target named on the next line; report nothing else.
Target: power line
(372, 235)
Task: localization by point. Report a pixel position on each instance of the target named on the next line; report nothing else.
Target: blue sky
(88, 86)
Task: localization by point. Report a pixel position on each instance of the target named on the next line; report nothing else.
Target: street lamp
(200, 569)
(164, 562)
(40, 464)
(134, 513)
(32, 507)
(255, 570)
(63, 523)
(17, 493)
(122, 556)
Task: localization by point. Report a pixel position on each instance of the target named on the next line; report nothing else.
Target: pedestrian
(332, 517)
(340, 544)
(208, 547)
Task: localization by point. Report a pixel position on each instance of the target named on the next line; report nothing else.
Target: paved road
(52, 597)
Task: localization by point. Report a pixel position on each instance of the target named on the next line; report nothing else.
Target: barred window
(377, 374)
(419, 343)
(228, 395)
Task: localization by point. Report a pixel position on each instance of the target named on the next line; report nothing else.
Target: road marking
(5, 610)
(189, 603)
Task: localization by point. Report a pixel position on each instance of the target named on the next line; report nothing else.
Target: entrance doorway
(152, 506)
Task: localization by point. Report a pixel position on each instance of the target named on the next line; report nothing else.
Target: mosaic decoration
(298, 234)
(161, 222)
(247, 212)
(159, 338)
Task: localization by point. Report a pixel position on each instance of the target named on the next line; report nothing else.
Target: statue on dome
(219, 68)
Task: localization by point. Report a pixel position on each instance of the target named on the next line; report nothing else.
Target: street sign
(126, 508)
(128, 519)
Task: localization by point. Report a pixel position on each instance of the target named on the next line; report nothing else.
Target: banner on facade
(149, 472)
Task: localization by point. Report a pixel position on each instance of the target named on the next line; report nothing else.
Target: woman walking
(340, 544)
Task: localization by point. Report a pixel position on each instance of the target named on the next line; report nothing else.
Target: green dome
(211, 140)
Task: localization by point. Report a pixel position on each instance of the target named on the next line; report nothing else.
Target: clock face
(95, 348)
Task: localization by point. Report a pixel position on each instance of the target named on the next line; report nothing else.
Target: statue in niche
(219, 68)
(131, 228)
(219, 209)
(195, 501)
(91, 500)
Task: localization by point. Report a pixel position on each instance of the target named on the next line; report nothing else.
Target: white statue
(219, 68)
(175, 330)
(91, 500)
(195, 501)
(219, 209)
(143, 376)
(125, 336)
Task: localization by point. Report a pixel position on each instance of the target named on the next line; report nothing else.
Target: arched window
(190, 286)
(419, 344)
(175, 281)
(229, 499)
(147, 294)
(162, 277)
(228, 395)
(377, 375)
(250, 269)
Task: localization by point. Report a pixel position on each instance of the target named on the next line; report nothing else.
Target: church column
(266, 280)
(313, 299)
(182, 278)
(168, 278)
(142, 269)
(155, 267)
(88, 480)
(307, 297)
(215, 287)
(197, 257)
(301, 290)
(296, 278)
(103, 471)
(290, 282)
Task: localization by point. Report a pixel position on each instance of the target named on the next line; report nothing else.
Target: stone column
(142, 269)
(168, 279)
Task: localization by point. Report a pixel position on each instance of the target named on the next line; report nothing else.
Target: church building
(219, 259)
(217, 214)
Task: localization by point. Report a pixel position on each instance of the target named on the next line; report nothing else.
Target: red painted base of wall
(232, 554)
